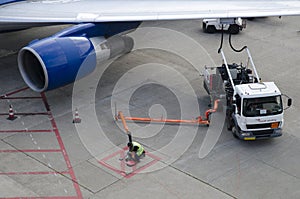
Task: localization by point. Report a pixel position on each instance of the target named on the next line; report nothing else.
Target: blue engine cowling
(55, 61)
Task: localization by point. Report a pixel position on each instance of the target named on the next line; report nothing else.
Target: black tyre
(211, 29)
(229, 120)
(234, 132)
(204, 27)
(234, 29)
(229, 125)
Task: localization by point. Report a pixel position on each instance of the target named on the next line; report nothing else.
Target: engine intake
(55, 61)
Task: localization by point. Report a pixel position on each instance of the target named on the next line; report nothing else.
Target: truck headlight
(245, 134)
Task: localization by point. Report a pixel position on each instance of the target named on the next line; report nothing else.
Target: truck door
(237, 114)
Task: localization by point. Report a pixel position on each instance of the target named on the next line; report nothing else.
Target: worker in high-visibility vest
(135, 151)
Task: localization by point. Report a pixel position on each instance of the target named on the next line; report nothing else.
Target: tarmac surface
(43, 154)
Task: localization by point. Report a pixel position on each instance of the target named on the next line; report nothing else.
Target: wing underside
(79, 11)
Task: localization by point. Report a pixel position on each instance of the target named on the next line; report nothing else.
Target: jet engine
(55, 61)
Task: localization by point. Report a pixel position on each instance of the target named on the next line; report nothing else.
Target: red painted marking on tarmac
(113, 168)
(54, 197)
(61, 150)
(13, 98)
(26, 131)
(14, 92)
(38, 113)
(34, 173)
(112, 155)
(121, 171)
(122, 161)
(61, 144)
(31, 151)
(135, 171)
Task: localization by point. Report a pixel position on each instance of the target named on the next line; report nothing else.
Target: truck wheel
(234, 132)
(204, 27)
(211, 29)
(229, 120)
(229, 126)
(234, 29)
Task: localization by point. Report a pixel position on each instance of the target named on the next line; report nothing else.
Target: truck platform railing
(249, 60)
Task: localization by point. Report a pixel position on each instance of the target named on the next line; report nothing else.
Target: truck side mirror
(289, 102)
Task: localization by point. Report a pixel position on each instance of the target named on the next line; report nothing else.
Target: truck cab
(257, 111)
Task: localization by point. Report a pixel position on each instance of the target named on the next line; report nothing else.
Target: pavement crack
(200, 180)
(274, 167)
(105, 187)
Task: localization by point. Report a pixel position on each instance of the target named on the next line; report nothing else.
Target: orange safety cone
(76, 117)
(11, 114)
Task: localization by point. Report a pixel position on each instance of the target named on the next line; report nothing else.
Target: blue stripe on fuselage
(2, 2)
(106, 29)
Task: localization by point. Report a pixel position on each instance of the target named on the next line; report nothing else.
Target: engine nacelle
(55, 61)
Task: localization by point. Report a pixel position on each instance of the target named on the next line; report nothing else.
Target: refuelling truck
(254, 109)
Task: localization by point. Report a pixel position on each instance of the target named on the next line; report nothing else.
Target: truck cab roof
(257, 90)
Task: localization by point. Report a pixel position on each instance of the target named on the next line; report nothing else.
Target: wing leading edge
(79, 11)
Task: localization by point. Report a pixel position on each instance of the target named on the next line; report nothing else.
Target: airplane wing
(79, 11)
(55, 61)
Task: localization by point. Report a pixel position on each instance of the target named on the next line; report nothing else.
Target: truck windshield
(253, 107)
